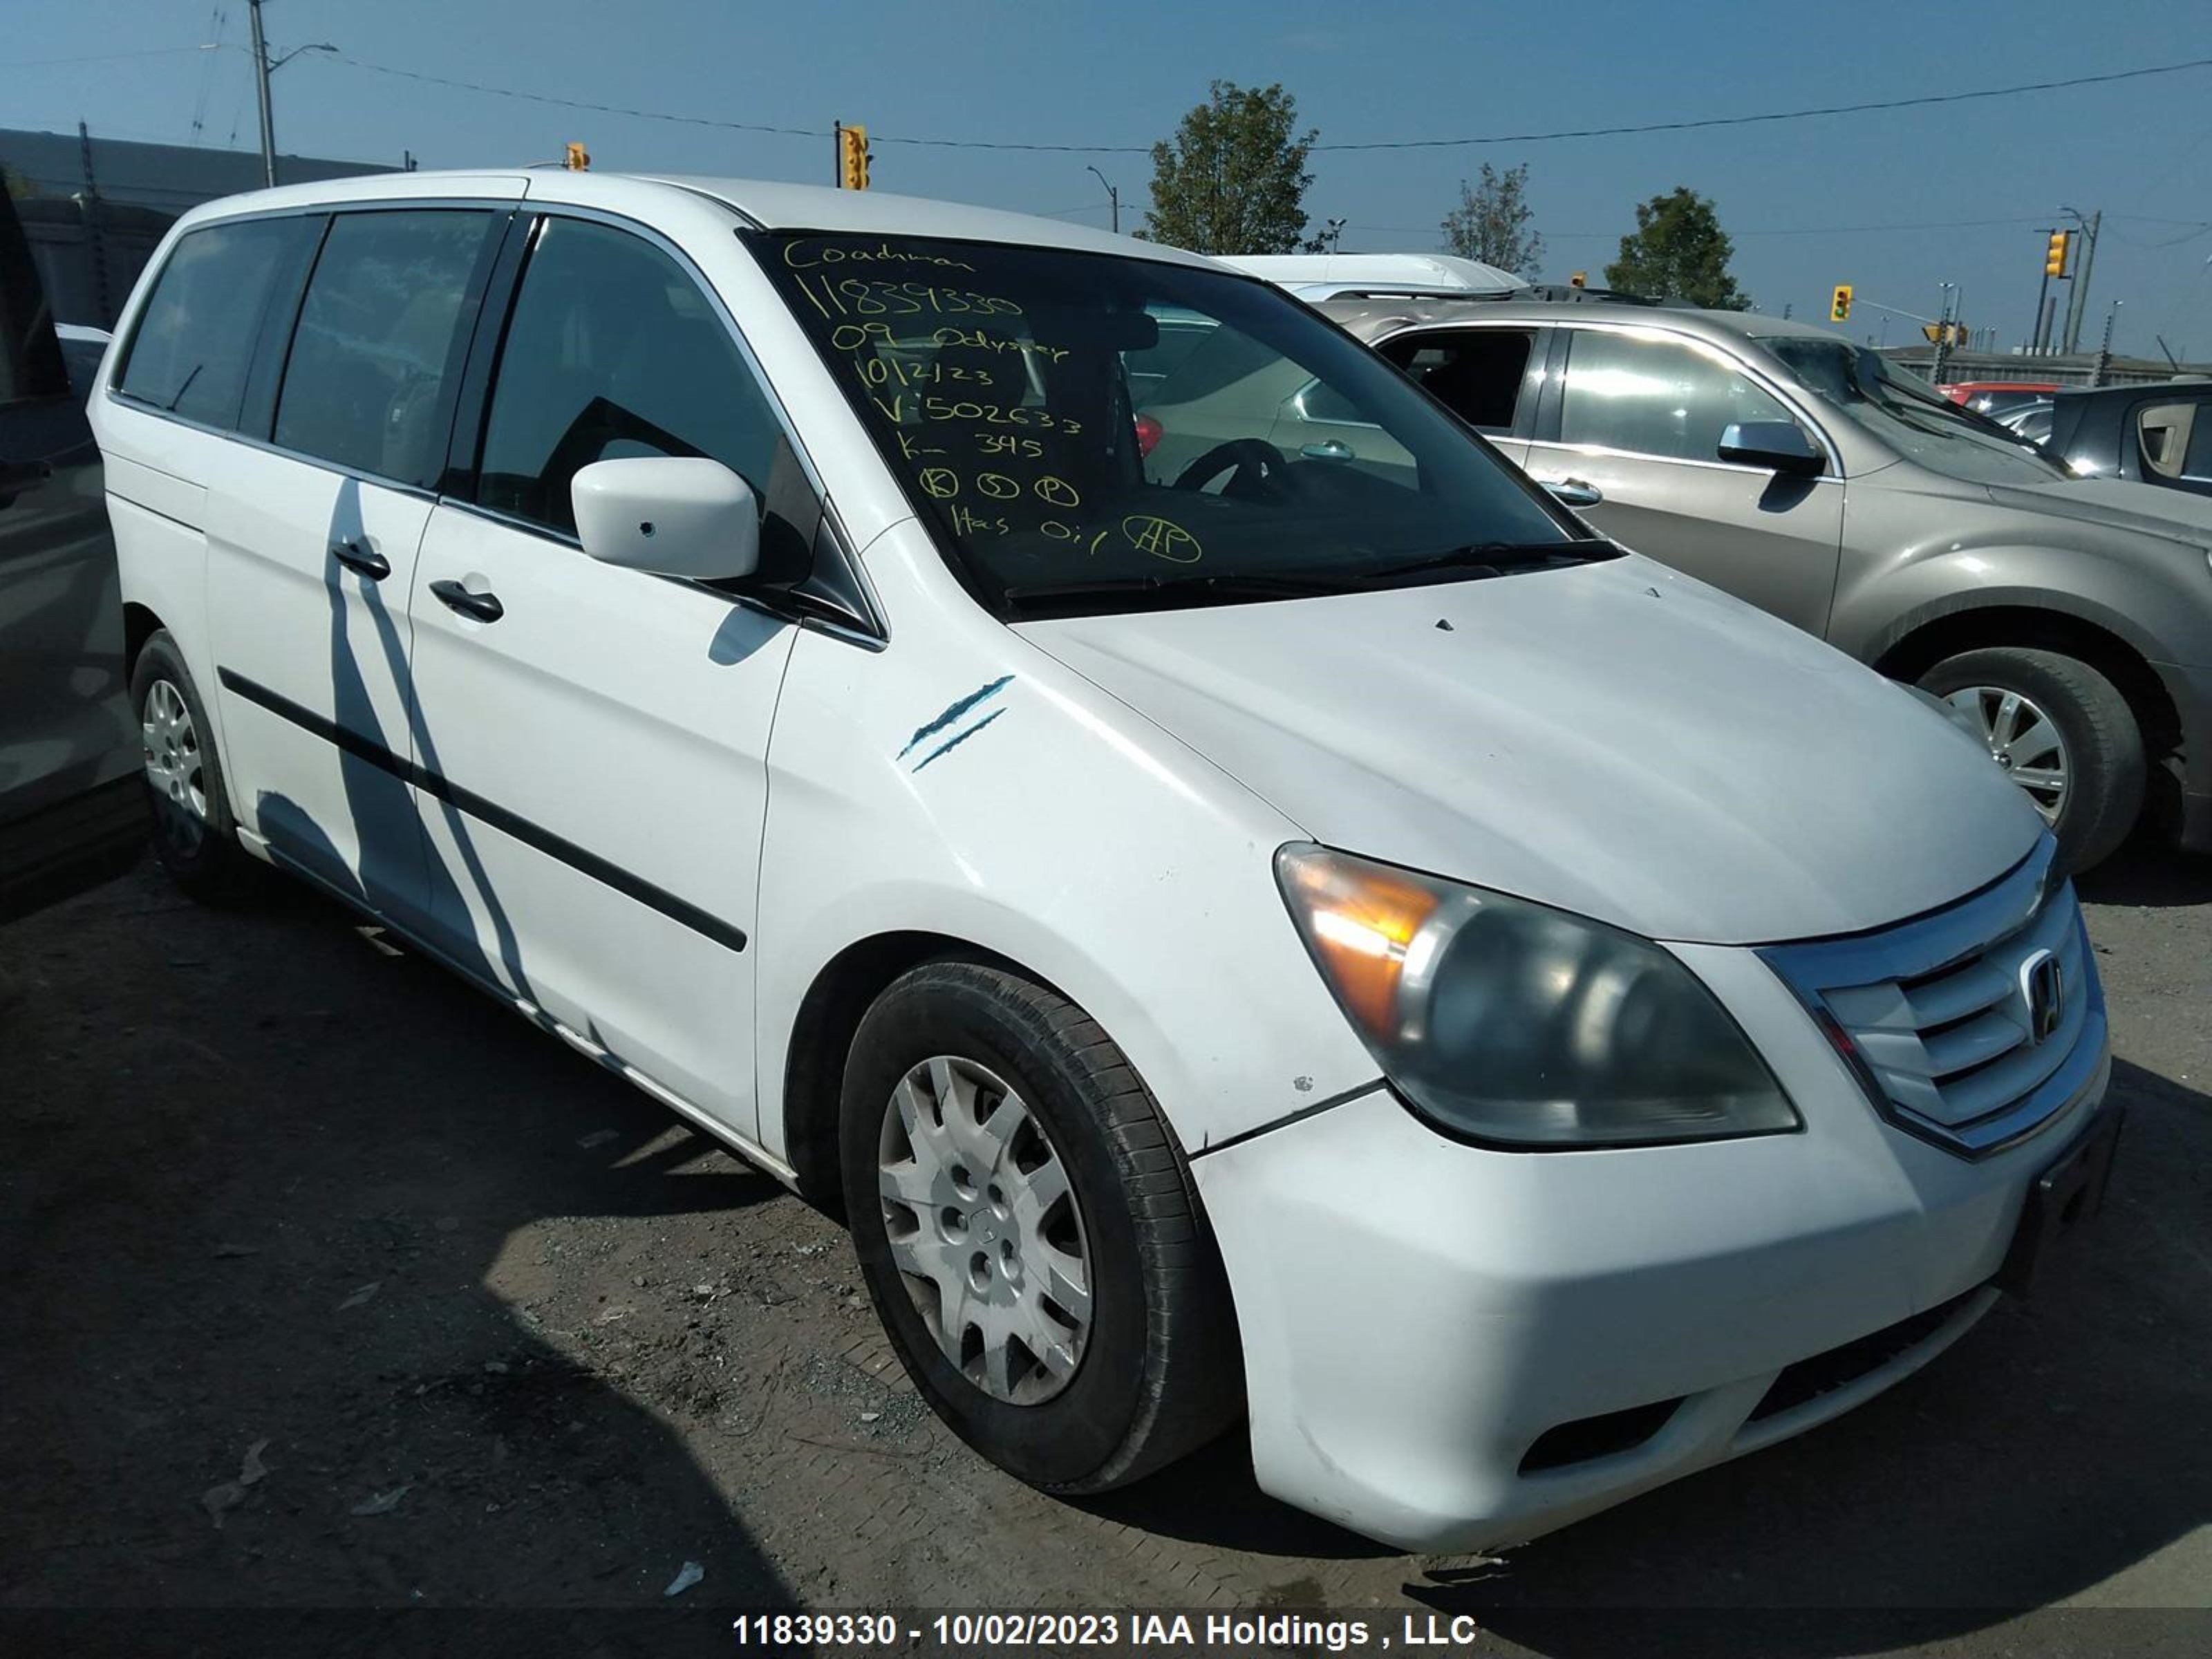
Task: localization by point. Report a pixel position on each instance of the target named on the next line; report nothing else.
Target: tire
(195, 834)
(1155, 1367)
(2102, 747)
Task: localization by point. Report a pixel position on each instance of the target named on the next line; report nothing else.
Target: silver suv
(2069, 619)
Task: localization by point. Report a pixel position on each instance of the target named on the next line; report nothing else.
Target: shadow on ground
(252, 1358)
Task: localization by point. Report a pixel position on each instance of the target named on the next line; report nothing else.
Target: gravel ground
(331, 1285)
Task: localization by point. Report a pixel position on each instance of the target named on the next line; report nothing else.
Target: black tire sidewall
(1061, 1441)
(2104, 792)
(210, 865)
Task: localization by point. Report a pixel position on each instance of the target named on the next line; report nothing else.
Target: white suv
(1243, 933)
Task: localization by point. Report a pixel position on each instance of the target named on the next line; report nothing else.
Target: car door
(313, 534)
(1486, 376)
(591, 740)
(72, 810)
(1629, 438)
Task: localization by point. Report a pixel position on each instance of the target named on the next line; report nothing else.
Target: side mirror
(1777, 445)
(676, 516)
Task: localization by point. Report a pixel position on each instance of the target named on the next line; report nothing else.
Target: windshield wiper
(1228, 586)
(1496, 558)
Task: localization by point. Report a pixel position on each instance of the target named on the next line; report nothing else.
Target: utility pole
(2035, 331)
(263, 69)
(2077, 303)
(1335, 235)
(1113, 196)
(261, 91)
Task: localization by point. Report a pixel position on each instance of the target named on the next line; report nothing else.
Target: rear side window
(1477, 373)
(614, 351)
(1654, 396)
(195, 342)
(378, 343)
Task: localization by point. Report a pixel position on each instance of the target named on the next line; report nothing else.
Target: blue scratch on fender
(951, 744)
(959, 707)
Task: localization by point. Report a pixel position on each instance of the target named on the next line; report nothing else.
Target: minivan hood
(2119, 503)
(1614, 739)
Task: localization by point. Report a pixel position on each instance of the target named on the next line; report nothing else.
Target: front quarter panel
(1913, 555)
(961, 782)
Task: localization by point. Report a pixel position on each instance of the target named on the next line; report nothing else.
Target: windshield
(1088, 431)
(1910, 416)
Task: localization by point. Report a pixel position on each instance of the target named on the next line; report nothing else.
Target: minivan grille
(1971, 1027)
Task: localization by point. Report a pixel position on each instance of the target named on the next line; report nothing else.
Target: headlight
(1502, 1020)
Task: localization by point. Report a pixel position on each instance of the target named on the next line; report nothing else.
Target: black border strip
(1289, 1118)
(531, 835)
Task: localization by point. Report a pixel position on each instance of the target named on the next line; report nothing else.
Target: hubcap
(985, 1229)
(171, 745)
(2022, 740)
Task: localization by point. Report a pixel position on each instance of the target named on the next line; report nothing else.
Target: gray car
(72, 796)
(2069, 619)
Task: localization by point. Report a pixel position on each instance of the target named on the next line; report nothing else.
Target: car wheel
(1029, 1233)
(195, 836)
(2060, 730)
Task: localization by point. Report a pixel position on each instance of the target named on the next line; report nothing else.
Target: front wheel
(1029, 1233)
(2060, 730)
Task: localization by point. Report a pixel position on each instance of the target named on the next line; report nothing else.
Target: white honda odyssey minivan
(1313, 936)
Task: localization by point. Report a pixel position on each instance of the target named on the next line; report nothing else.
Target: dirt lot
(329, 1285)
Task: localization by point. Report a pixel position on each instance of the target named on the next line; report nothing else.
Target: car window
(996, 381)
(614, 351)
(377, 344)
(194, 343)
(1654, 396)
(2176, 441)
(1475, 372)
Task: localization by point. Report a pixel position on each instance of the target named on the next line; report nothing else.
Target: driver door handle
(360, 555)
(484, 607)
(1573, 492)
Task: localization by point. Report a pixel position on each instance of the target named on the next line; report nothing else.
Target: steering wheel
(1258, 468)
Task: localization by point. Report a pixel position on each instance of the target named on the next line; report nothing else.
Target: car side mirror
(1777, 445)
(673, 515)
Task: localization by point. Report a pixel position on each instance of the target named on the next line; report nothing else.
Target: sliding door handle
(360, 555)
(484, 607)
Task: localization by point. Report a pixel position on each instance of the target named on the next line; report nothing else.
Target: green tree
(1234, 177)
(1679, 252)
(1491, 222)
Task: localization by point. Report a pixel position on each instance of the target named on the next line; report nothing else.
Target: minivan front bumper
(1449, 1348)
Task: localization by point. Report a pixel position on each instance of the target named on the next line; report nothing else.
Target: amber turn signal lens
(1362, 922)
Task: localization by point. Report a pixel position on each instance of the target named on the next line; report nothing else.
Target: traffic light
(1839, 304)
(1580, 279)
(579, 160)
(2054, 258)
(853, 158)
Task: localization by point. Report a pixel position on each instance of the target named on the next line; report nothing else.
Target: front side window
(1908, 415)
(1089, 431)
(378, 342)
(194, 343)
(614, 351)
(1475, 372)
(1654, 396)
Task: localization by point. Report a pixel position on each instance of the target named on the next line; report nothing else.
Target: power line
(1869, 107)
(1795, 230)
(1783, 115)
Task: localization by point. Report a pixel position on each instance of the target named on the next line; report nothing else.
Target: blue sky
(1921, 180)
